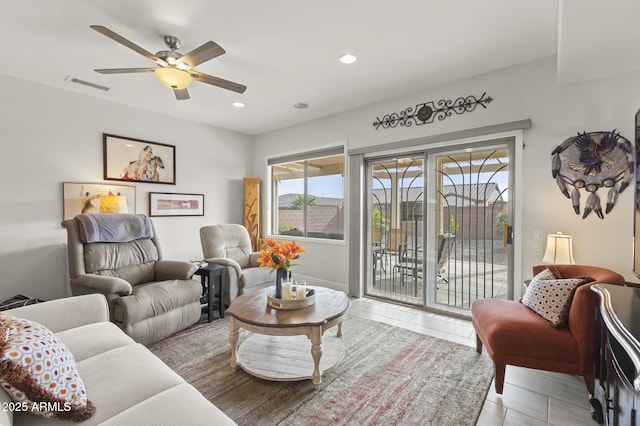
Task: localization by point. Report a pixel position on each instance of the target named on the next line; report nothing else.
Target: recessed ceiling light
(300, 105)
(238, 104)
(348, 58)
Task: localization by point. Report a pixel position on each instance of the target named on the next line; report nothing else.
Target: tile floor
(530, 397)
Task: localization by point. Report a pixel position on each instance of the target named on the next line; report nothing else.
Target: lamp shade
(173, 77)
(113, 203)
(559, 249)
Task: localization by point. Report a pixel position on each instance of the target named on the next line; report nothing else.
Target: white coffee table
(278, 347)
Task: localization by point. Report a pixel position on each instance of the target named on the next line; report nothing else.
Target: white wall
(49, 136)
(528, 91)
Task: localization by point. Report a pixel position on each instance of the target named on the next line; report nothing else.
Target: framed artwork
(81, 198)
(137, 160)
(171, 204)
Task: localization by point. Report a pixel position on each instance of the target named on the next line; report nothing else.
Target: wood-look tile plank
(563, 387)
(521, 400)
(563, 413)
(461, 340)
(491, 415)
(516, 418)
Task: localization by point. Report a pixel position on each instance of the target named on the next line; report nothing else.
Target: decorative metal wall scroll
(591, 161)
(426, 112)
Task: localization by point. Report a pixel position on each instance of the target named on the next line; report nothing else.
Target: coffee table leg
(233, 341)
(316, 353)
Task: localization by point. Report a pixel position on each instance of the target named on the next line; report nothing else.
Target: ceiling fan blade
(107, 32)
(201, 54)
(216, 81)
(181, 94)
(123, 70)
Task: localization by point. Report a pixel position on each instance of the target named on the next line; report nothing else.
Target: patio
(470, 273)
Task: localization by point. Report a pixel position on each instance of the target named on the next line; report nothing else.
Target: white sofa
(127, 383)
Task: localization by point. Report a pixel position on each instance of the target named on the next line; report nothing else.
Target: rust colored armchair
(515, 335)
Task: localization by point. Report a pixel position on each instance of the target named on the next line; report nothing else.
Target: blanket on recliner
(113, 228)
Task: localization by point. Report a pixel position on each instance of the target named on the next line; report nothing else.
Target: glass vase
(281, 276)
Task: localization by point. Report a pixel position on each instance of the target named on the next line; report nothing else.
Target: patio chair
(377, 249)
(411, 260)
(410, 263)
(395, 244)
(444, 250)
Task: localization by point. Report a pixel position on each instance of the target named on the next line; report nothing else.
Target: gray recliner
(119, 256)
(229, 245)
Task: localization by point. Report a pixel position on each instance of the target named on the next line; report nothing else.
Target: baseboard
(313, 281)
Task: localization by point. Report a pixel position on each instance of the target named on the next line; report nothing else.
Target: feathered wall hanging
(590, 161)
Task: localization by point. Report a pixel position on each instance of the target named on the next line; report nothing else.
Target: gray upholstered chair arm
(253, 258)
(103, 284)
(174, 270)
(229, 263)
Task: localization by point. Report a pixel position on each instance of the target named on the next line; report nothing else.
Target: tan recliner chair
(119, 256)
(229, 245)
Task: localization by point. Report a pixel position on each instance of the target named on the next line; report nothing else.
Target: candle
(300, 292)
(286, 290)
(301, 289)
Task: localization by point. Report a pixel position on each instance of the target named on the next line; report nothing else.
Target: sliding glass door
(395, 211)
(438, 226)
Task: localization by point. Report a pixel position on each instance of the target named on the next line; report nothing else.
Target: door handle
(507, 235)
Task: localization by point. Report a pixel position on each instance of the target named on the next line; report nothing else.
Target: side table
(207, 273)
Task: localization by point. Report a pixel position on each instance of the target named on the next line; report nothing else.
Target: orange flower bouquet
(279, 256)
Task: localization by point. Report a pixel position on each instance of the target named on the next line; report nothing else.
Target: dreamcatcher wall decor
(590, 161)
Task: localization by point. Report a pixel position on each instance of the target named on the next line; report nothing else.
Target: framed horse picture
(137, 160)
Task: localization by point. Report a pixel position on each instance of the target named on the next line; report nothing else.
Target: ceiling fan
(174, 69)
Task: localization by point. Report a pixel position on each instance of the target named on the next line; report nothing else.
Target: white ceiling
(285, 51)
(597, 38)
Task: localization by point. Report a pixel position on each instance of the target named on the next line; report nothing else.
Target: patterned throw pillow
(550, 296)
(39, 371)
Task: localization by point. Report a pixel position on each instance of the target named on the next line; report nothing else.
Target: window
(308, 194)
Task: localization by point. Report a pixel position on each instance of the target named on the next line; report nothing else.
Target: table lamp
(559, 249)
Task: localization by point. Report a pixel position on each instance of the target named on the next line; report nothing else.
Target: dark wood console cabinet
(617, 373)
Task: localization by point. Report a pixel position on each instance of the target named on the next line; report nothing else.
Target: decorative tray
(289, 304)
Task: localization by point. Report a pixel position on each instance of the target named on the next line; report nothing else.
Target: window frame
(272, 198)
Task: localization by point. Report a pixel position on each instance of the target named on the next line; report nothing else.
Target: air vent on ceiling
(86, 83)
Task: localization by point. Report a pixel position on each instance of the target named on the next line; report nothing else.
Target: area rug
(389, 376)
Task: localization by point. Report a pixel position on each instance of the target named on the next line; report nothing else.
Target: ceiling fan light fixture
(161, 63)
(173, 78)
(175, 70)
